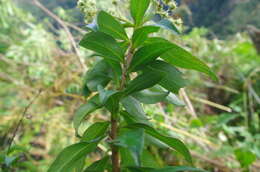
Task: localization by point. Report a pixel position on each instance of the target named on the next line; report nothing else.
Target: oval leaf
(104, 45)
(148, 53)
(134, 108)
(95, 131)
(145, 80)
(109, 25)
(138, 9)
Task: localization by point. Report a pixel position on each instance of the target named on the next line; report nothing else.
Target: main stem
(114, 118)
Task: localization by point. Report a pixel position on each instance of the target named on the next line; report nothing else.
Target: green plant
(129, 73)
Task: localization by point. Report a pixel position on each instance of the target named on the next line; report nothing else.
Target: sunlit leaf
(106, 46)
(138, 9)
(178, 56)
(165, 23)
(140, 35)
(109, 25)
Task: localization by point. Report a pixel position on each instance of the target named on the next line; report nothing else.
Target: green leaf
(84, 111)
(173, 80)
(98, 166)
(166, 169)
(109, 25)
(173, 99)
(174, 143)
(178, 56)
(149, 160)
(112, 103)
(134, 109)
(145, 80)
(100, 74)
(138, 9)
(148, 53)
(245, 157)
(104, 94)
(165, 23)
(95, 131)
(140, 35)
(69, 157)
(133, 139)
(151, 96)
(126, 159)
(106, 46)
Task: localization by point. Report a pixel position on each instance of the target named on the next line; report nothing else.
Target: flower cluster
(88, 8)
(165, 7)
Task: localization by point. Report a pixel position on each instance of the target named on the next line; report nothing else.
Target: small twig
(189, 104)
(210, 103)
(63, 24)
(21, 119)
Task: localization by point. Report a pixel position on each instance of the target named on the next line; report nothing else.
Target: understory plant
(135, 68)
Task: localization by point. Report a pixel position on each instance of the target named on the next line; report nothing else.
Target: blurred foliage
(35, 56)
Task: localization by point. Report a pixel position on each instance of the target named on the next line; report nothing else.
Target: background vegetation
(41, 85)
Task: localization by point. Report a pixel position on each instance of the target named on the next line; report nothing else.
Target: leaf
(104, 94)
(172, 81)
(165, 23)
(178, 56)
(145, 80)
(133, 139)
(69, 156)
(84, 111)
(148, 53)
(126, 160)
(151, 96)
(95, 131)
(140, 35)
(112, 103)
(138, 9)
(134, 108)
(174, 143)
(106, 46)
(173, 99)
(98, 75)
(98, 166)
(165, 169)
(149, 160)
(245, 157)
(109, 25)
